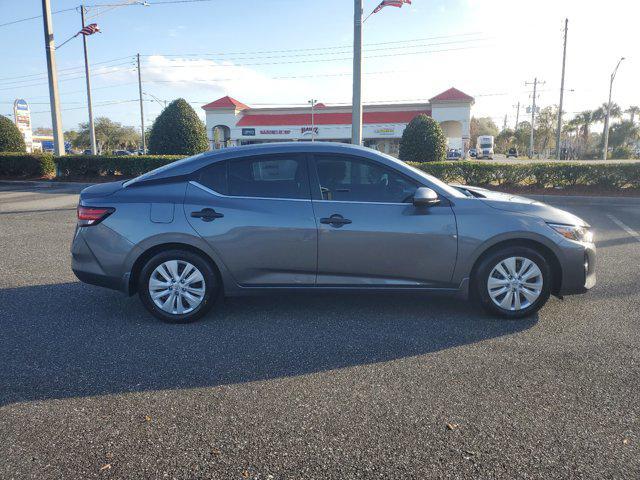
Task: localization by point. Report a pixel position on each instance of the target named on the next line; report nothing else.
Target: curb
(586, 200)
(44, 184)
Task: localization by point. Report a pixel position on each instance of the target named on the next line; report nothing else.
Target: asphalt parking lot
(349, 386)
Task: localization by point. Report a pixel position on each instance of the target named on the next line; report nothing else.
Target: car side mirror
(425, 197)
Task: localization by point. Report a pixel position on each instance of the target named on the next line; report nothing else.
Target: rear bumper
(98, 256)
(578, 268)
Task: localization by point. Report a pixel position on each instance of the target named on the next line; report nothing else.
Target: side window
(215, 177)
(355, 180)
(273, 176)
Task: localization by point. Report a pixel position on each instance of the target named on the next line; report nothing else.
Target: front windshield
(486, 145)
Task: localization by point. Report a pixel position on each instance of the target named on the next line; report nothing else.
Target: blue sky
(288, 51)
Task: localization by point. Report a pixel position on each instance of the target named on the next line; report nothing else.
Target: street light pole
(564, 60)
(144, 141)
(313, 102)
(50, 50)
(605, 147)
(92, 130)
(356, 120)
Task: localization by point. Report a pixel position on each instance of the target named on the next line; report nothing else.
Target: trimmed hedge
(26, 165)
(542, 175)
(95, 166)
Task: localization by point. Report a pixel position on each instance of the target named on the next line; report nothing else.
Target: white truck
(484, 147)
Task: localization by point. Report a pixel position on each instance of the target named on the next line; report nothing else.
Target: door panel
(261, 240)
(369, 235)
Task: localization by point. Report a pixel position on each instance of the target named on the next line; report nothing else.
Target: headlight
(573, 232)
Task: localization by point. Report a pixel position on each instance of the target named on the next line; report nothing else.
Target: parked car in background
(472, 152)
(305, 216)
(122, 153)
(484, 147)
(512, 152)
(454, 154)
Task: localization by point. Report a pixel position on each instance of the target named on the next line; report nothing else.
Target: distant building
(232, 123)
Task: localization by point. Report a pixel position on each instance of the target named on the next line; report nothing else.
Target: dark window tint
(274, 176)
(215, 177)
(354, 180)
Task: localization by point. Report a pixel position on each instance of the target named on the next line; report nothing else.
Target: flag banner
(90, 29)
(391, 3)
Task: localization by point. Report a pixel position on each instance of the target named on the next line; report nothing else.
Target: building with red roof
(231, 122)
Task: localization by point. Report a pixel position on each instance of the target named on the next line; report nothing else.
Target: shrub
(423, 141)
(26, 165)
(10, 137)
(607, 176)
(127, 166)
(178, 130)
(622, 153)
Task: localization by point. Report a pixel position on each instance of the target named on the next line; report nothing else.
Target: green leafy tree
(110, 135)
(632, 111)
(481, 126)
(623, 134)
(10, 137)
(545, 133)
(178, 131)
(505, 139)
(423, 141)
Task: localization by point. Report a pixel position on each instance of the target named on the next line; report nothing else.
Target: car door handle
(207, 214)
(335, 220)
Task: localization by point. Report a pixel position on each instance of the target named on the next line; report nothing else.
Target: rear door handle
(335, 220)
(207, 214)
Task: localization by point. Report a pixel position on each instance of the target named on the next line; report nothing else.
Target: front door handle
(335, 220)
(207, 214)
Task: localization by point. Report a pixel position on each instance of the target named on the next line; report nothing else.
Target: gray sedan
(317, 217)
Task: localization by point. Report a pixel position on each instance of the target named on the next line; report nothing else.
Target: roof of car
(189, 165)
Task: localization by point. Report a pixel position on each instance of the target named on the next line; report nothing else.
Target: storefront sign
(248, 132)
(275, 132)
(22, 117)
(385, 131)
(308, 130)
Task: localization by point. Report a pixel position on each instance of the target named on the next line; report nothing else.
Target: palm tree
(601, 112)
(632, 111)
(584, 120)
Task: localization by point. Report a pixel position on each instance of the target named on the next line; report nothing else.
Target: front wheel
(178, 286)
(514, 282)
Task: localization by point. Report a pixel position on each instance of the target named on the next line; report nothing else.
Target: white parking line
(625, 227)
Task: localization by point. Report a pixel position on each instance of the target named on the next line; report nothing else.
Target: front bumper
(578, 268)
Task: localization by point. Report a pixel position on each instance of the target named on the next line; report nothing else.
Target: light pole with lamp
(313, 102)
(605, 146)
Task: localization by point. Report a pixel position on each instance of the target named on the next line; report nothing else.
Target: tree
(623, 134)
(505, 139)
(70, 136)
(545, 133)
(178, 131)
(632, 111)
(10, 137)
(585, 119)
(423, 141)
(110, 135)
(481, 126)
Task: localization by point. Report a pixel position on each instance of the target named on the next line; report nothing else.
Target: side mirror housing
(425, 197)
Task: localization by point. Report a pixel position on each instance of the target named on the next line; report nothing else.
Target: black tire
(211, 285)
(481, 277)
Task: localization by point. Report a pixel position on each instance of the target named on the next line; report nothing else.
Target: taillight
(93, 215)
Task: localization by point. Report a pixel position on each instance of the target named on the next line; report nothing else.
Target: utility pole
(533, 114)
(54, 99)
(517, 115)
(92, 130)
(605, 147)
(356, 120)
(564, 60)
(144, 141)
(313, 102)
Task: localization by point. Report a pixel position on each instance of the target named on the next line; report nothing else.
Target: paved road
(310, 387)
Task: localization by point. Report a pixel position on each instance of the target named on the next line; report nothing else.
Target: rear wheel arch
(546, 252)
(140, 262)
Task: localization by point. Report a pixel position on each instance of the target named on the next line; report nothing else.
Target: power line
(65, 69)
(13, 22)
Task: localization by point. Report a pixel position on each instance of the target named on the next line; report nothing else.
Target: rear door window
(273, 176)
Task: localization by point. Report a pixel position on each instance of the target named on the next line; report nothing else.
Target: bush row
(608, 176)
(26, 165)
(94, 166)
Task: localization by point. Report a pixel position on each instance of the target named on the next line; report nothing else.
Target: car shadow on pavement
(70, 340)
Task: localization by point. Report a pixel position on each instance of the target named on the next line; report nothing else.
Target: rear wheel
(178, 286)
(514, 282)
